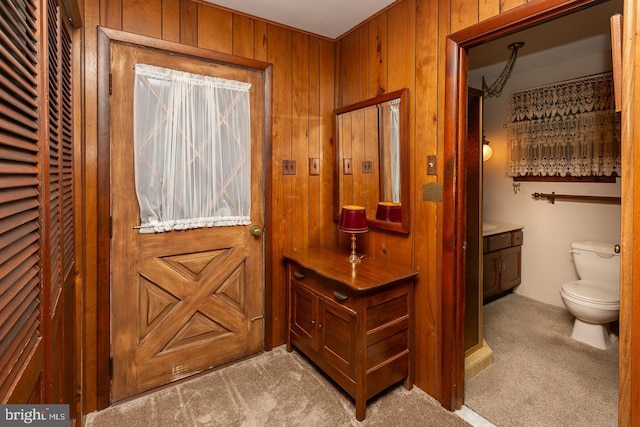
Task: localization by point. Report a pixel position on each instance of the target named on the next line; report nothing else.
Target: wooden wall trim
(629, 374)
(453, 280)
(516, 19)
(106, 37)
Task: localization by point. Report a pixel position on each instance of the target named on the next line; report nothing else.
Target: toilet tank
(597, 261)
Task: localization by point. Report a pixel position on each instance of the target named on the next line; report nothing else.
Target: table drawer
(329, 289)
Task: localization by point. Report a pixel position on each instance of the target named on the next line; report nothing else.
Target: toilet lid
(590, 291)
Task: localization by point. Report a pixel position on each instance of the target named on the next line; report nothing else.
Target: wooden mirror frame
(405, 197)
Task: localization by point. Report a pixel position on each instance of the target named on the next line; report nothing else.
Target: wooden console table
(354, 321)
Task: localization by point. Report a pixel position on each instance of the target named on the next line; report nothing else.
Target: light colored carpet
(540, 376)
(276, 388)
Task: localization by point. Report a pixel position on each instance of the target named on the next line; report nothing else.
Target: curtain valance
(568, 128)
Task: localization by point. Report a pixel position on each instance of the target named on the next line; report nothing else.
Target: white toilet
(594, 299)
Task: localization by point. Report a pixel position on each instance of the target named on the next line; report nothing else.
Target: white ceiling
(327, 18)
(578, 34)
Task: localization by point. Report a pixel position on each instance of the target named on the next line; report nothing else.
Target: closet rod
(597, 199)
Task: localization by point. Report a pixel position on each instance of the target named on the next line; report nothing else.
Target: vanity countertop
(492, 227)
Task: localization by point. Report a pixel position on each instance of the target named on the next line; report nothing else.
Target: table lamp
(353, 220)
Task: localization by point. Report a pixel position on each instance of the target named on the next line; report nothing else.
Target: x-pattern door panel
(182, 301)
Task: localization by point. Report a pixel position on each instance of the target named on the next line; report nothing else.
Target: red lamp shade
(353, 219)
(389, 211)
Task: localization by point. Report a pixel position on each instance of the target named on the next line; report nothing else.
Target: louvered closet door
(36, 206)
(58, 261)
(21, 349)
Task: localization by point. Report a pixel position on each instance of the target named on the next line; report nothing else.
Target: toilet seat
(592, 292)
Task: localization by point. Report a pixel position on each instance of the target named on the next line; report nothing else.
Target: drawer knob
(298, 275)
(340, 296)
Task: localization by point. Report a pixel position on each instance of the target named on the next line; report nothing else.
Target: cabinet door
(491, 274)
(303, 307)
(337, 336)
(510, 268)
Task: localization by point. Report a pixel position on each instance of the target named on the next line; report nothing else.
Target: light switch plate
(346, 166)
(432, 165)
(367, 166)
(288, 167)
(314, 166)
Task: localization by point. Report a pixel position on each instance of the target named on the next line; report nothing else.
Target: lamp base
(354, 259)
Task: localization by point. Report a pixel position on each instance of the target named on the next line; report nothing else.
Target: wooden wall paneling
(142, 17)
(378, 53)
(348, 70)
(401, 73)
(373, 67)
(260, 40)
(463, 13)
(110, 13)
(300, 140)
(171, 15)
(215, 29)
(279, 54)
(425, 214)
(326, 103)
(488, 8)
(314, 133)
(188, 22)
(242, 36)
(510, 4)
(364, 52)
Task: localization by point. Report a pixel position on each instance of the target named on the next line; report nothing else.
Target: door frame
(106, 37)
(454, 206)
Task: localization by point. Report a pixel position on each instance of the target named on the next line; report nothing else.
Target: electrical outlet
(288, 167)
(346, 166)
(367, 166)
(314, 166)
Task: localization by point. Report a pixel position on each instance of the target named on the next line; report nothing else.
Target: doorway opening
(455, 189)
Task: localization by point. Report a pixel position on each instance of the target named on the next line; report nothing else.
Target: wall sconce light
(487, 152)
(353, 220)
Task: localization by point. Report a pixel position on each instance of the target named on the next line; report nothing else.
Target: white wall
(548, 228)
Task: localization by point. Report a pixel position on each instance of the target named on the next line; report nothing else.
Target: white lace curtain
(192, 150)
(394, 108)
(565, 129)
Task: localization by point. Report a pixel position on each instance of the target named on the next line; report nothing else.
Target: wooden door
(181, 301)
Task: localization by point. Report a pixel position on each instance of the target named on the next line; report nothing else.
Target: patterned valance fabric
(564, 129)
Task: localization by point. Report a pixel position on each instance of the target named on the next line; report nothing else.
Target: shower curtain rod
(596, 199)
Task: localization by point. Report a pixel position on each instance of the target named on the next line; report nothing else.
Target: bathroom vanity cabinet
(354, 321)
(502, 257)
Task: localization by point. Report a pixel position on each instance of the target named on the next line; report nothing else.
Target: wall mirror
(372, 164)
